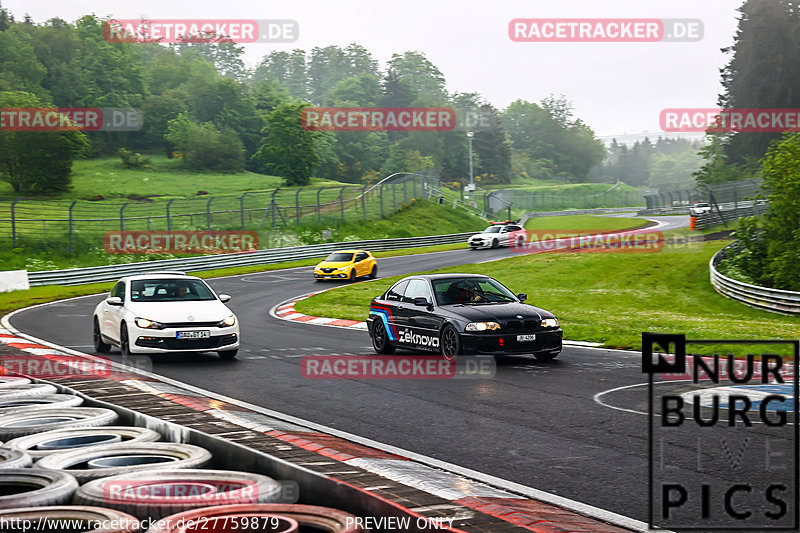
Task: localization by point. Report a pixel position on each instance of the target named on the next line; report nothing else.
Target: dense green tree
(37, 162)
(287, 149)
(204, 147)
(764, 70)
(20, 69)
(781, 172)
(492, 148)
(414, 68)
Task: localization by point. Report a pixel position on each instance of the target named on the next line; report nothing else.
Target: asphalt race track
(533, 423)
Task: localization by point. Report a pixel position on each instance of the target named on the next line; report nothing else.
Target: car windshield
(470, 290)
(170, 290)
(338, 257)
(701, 205)
(492, 229)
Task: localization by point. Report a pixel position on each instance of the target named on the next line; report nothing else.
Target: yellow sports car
(347, 264)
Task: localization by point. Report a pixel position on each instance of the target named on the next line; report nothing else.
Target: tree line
(202, 104)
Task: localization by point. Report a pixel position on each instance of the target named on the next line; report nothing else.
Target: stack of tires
(65, 468)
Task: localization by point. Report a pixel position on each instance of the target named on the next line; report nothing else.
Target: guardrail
(774, 300)
(76, 276)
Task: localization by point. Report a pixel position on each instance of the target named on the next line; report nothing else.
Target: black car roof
(445, 276)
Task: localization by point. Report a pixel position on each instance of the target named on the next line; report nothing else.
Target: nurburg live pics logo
(723, 434)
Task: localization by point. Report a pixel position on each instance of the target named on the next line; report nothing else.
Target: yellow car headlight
(482, 326)
(147, 324)
(227, 322)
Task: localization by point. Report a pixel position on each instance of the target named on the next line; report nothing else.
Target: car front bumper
(333, 275)
(480, 244)
(144, 341)
(549, 341)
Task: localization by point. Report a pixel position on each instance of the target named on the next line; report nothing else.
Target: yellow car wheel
(353, 274)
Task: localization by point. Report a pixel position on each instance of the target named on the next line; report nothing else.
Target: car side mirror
(522, 296)
(224, 298)
(421, 301)
(114, 300)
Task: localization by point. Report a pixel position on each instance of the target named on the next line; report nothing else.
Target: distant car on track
(499, 234)
(165, 312)
(460, 314)
(700, 209)
(347, 264)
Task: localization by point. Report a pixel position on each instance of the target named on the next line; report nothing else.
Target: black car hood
(497, 311)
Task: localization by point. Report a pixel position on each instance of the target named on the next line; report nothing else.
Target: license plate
(526, 338)
(203, 334)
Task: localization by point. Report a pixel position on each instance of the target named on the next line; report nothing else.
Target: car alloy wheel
(380, 340)
(450, 342)
(494, 243)
(99, 345)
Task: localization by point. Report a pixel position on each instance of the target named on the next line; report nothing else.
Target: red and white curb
(286, 311)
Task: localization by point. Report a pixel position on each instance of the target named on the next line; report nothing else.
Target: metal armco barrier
(77, 276)
(774, 300)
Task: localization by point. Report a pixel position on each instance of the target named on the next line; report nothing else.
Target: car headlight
(227, 322)
(550, 323)
(482, 326)
(148, 324)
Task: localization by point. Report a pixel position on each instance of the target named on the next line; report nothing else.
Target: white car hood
(201, 311)
(486, 235)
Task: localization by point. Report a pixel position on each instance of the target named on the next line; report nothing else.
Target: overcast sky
(614, 87)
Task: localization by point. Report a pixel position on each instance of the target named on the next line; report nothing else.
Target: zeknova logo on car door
(723, 434)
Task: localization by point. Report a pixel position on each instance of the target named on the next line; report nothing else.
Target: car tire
(544, 357)
(124, 341)
(10, 381)
(309, 517)
(43, 401)
(13, 458)
(380, 340)
(520, 242)
(374, 272)
(32, 421)
(228, 355)
(43, 444)
(99, 345)
(352, 274)
(201, 488)
(26, 389)
(76, 462)
(495, 244)
(49, 488)
(38, 517)
(450, 342)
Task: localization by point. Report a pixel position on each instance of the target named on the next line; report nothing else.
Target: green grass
(609, 298)
(585, 222)
(107, 176)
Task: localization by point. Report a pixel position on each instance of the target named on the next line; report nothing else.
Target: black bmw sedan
(460, 314)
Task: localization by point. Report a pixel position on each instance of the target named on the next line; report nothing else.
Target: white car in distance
(164, 312)
(496, 235)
